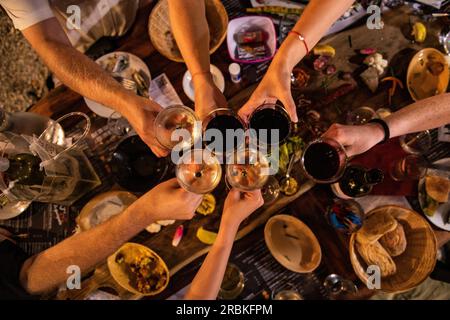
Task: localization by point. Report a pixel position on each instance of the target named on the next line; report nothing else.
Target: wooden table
(310, 207)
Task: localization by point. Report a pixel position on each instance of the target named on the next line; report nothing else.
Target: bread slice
(375, 226)
(395, 241)
(437, 188)
(375, 254)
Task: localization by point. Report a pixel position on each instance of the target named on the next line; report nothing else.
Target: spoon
(286, 181)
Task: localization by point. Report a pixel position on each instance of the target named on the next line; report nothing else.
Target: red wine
(223, 123)
(271, 119)
(321, 161)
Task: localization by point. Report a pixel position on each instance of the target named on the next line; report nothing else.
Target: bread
(375, 254)
(437, 188)
(375, 226)
(394, 241)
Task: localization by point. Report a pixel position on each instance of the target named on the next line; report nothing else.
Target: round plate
(130, 251)
(103, 207)
(105, 61)
(292, 244)
(218, 79)
(440, 214)
(421, 83)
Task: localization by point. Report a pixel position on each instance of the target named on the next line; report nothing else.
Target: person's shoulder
(25, 13)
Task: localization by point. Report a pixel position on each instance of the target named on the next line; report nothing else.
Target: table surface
(390, 41)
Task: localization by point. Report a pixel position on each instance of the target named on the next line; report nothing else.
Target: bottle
(356, 182)
(235, 72)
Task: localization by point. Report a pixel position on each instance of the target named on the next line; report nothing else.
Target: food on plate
(435, 67)
(394, 241)
(145, 271)
(375, 227)
(376, 61)
(205, 236)
(436, 192)
(419, 32)
(208, 205)
(153, 228)
(375, 254)
(165, 223)
(300, 78)
(324, 50)
(371, 79)
(178, 236)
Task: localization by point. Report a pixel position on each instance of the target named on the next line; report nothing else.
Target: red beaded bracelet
(301, 38)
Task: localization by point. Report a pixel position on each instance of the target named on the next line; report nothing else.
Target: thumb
(290, 106)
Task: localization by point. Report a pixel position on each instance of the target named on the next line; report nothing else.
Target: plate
(103, 207)
(218, 79)
(438, 218)
(421, 82)
(107, 62)
(292, 244)
(130, 251)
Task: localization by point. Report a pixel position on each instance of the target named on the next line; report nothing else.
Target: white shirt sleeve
(25, 13)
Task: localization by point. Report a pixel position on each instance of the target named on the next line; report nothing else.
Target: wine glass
(247, 170)
(119, 125)
(177, 126)
(271, 124)
(411, 167)
(232, 283)
(416, 143)
(286, 291)
(217, 125)
(324, 160)
(361, 116)
(198, 171)
(339, 287)
(271, 191)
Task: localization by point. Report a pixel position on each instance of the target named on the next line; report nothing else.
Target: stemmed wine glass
(247, 170)
(198, 171)
(324, 160)
(169, 124)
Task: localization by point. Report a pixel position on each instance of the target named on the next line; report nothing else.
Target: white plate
(438, 218)
(188, 86)
(135, 64)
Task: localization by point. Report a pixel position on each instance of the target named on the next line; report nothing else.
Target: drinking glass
(119, 125)
(286, 291)
(338, 287)
(221, 121)
(232, 283)
(416, 143)
(324, 160)
(346, 216)
(199, 171)
(247, 170)
(361, 116)
(411, 167)
(271, 191)
(169, 123)
(265, 120)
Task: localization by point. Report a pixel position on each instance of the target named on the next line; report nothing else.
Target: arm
(238, 206)
(191, 32)
(84, 76)
(426, 114)
(47, 270)
(317, 18)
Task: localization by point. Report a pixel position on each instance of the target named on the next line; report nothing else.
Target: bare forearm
(206, 283)
(423, 115)
(47, 270)
(190, 28)
(315, 21)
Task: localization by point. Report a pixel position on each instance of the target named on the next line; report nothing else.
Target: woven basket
(163, 40)
(415, 264)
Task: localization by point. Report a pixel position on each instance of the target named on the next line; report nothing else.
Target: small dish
(249, 23)
(188, 86)
(292, 244)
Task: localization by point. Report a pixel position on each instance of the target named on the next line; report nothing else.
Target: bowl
(163, 40)
(420, 81)
(129, 251)
(249, 23)
(415, 264)
(292, 244)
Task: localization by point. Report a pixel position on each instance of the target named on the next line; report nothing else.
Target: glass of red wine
(324, 160)
(224, 120)
(269, 117)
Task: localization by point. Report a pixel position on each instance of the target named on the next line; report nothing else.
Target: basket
(415, 264)
(163, 40)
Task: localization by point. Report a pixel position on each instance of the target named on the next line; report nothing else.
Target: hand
(141, 116)
(207, 96)
(356, 139)
(168, 201)
(239, 205)
(276, 85)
